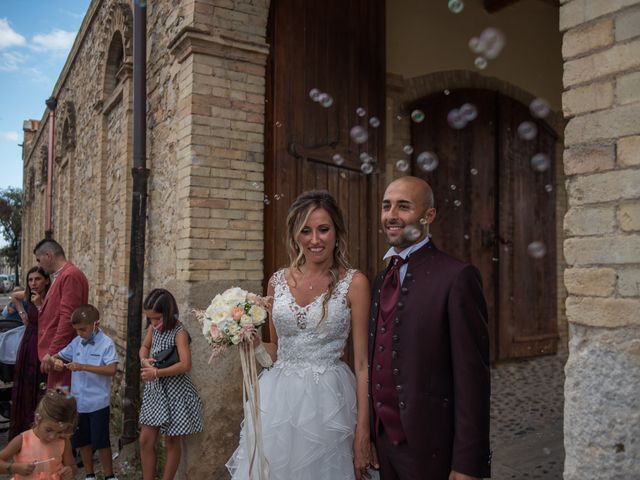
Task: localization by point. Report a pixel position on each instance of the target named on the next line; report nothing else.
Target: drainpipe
(140, 173)
(51, 103)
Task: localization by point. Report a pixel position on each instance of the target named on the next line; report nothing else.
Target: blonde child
(170, 403)
(44, 452)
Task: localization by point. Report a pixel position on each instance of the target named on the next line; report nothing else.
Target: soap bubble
(548, 188)
(402, 165)
(43, 385)
(475, 45)
(278, 196)
(480, 63)
(447, 92)
(539, 108)
(427, 161)
(266, 200)
(452, 186)
(278, 124)
(527, 130)
(456, 6)
(411, 233)
(361, 112)
(366, 168)
(359, 134)
(493, 41)
(325, 100)
(540, 162)
(456, 120)
(457, 203)
(374, 122)
(537, 249)
(338, 159)
(408, 149)
(314, 94)
(468, 111)
(417, 116)
(474, 171)
(365, 157)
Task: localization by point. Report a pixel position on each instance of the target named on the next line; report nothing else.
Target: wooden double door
(496, 211)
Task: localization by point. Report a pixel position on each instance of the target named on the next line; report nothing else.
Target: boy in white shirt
(93, 361)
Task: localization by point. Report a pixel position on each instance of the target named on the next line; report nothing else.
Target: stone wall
(601, 49)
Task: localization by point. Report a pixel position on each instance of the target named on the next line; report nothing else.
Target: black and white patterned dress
(171, 403)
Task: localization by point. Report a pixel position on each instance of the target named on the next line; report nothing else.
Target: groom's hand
(461, 476)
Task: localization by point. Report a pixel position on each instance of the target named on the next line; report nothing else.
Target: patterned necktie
(390, 289)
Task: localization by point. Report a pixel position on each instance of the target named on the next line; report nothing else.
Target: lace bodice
(304, 342)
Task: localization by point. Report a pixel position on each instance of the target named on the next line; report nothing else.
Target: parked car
(6, 285)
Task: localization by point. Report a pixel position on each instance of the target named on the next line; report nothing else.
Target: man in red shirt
(69, 289)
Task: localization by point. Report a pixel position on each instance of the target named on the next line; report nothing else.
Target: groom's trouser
(398, 462)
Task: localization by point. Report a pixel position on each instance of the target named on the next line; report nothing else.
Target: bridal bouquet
(233, 316)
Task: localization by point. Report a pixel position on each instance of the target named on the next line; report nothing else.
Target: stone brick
(593, 282)
(603, 312)
(588, 159)
(589, 221)
(628, 25)
(629, 282)
(629, 217)
(629, 151)
(606, 124)
(583, 11)
(590, 37)
(587, 99)
(616, 59)
(604, 187)
(628, 88)
(615, 249)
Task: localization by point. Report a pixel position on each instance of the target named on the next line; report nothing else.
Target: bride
(315, 418)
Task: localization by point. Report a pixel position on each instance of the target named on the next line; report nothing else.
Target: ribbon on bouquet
(251, 399)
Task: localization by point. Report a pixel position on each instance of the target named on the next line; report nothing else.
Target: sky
(35, 40)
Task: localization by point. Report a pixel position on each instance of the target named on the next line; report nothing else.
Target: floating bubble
(456, 120)
(411, 233)
(540, 162)
(366, 168)
(537, 249)
(408, 149)
(338, 159)
(278, 196)
(452, 186)
(402, 165)
(417, 116)
(456, 6)
(43, 385)
(475, 45)
(325, 100)
(266, 200)
(468, 111)
(447, 92)
(546, 451)
(548, 188)
(374, 122)
(398, 117)
(539, 108)
(314, 94)
(361, 112)
(493, 41)
(255, 185)
(527, 130)
(427, 161)
(365, 157)
(457, 203)
(359, 134)
(278, 124)
(466, 236)
(480, 63)
(474, 171)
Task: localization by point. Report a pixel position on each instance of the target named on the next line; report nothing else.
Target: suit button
(400, 305)
(381, 348)
(402, 405)
(383, 330)
(396, 371)
(398, 388)
(397, 321)
(378, 367)
(395, 338)
(378, 386)
(404, 290)
(394, 354)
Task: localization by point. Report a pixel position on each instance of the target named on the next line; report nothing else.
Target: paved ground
(526, 419)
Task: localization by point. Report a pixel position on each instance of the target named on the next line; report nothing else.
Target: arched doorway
(496, 209)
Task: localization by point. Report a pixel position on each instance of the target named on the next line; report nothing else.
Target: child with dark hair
(92, 359)
(45, 450)
(170, 403)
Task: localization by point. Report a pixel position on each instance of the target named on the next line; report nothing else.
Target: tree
(11, 226)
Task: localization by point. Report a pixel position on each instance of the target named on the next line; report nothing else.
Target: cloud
(57, 40)
(11, 136)
(11, 61)
(8, 36)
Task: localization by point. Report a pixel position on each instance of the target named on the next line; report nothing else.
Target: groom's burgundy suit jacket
(442, 362)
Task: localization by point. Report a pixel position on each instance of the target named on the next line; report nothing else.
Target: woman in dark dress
(27, 377)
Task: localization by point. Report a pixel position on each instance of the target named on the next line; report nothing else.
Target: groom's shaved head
(417, 188)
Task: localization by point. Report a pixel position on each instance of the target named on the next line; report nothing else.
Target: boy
(10, 312)
(93, 361)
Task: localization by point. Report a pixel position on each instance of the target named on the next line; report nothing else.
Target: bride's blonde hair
(297, 217)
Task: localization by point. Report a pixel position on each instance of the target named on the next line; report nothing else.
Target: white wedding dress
(308, 397)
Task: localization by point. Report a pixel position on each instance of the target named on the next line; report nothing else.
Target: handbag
(167, 357)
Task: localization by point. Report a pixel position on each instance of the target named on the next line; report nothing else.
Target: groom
(428, 351)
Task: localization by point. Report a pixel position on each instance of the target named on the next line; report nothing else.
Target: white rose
(246, 320)
(232, 328)
(258, 314)
(234, 296)
(219, 317)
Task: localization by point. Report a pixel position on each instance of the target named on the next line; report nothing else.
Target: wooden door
(336, 46)
(490, 206)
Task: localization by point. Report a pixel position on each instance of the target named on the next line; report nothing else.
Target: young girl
(170, 402)
(44, 452)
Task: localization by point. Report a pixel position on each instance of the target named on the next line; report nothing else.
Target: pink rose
(236, 313)
(216, 334)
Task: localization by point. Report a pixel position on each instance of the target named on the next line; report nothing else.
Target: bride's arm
(359, 297)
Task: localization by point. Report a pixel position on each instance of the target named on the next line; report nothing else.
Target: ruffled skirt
(308, 424)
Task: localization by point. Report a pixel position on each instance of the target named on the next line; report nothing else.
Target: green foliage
(11, 224)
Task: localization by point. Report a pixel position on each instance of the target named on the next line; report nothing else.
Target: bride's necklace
(301, 313)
